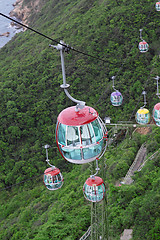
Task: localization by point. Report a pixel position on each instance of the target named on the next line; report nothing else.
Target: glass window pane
(97, 130)
(72, 136)
(92, 151)
(87, 134)
(61, 134)
(73, 154)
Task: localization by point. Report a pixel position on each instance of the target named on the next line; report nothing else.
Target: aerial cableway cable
(76, 50)
(51, 39)
(122, 65)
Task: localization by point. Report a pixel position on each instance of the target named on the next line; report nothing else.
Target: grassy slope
(31, 97)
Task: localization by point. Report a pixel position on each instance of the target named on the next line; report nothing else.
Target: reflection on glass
(97, 130)
(61, 133)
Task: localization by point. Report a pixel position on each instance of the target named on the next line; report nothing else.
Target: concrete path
(127, 234)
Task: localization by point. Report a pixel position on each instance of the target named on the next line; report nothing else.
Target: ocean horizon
(5, 24)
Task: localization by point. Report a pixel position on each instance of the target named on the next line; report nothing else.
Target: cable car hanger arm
(157, 78)
(97, 169)
(141, 34)
(47, 160)
(62, 47)
(144, 94)
(113, 78)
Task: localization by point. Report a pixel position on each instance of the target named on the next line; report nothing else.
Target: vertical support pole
(63, 67)
(105, 230)
(144, 94)
(93, 221)
(106, 219)
(141, 33)
(157, 78)
(113, 78)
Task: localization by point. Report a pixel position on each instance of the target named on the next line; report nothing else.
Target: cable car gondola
(156, 109)
(143, 45)
(156, 114)
(116, 97)
(143, 115)
(158, 6)
(53, 178)
(94, 189)
(80, 134)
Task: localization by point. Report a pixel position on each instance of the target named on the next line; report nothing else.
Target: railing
(87, 234)
(151, 157)
(130, 171)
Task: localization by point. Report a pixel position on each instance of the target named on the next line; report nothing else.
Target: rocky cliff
(23, 9)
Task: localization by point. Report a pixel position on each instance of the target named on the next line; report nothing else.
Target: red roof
(96, 180)
(157, 106)
(51, 171)
(72, 118)
(142, 43)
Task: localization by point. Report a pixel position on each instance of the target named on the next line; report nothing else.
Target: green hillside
(31, 99)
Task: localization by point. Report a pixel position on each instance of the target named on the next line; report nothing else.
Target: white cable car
(80, 134)
(53, 178)
(94, 189)
(158, 6)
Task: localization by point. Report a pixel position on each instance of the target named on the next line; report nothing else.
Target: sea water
(6, 6)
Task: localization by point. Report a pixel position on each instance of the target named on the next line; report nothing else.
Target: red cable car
(156, 114)
(94, 189)
(158, 6)
(80, 134)
(53, 178)
(143, 46)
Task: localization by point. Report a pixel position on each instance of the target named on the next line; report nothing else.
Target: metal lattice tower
(99, 221)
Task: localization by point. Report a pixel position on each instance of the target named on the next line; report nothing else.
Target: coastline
(7, 29)
(23, 11)
(20, 11)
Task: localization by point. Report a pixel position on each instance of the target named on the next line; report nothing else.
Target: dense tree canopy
(31, 99)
